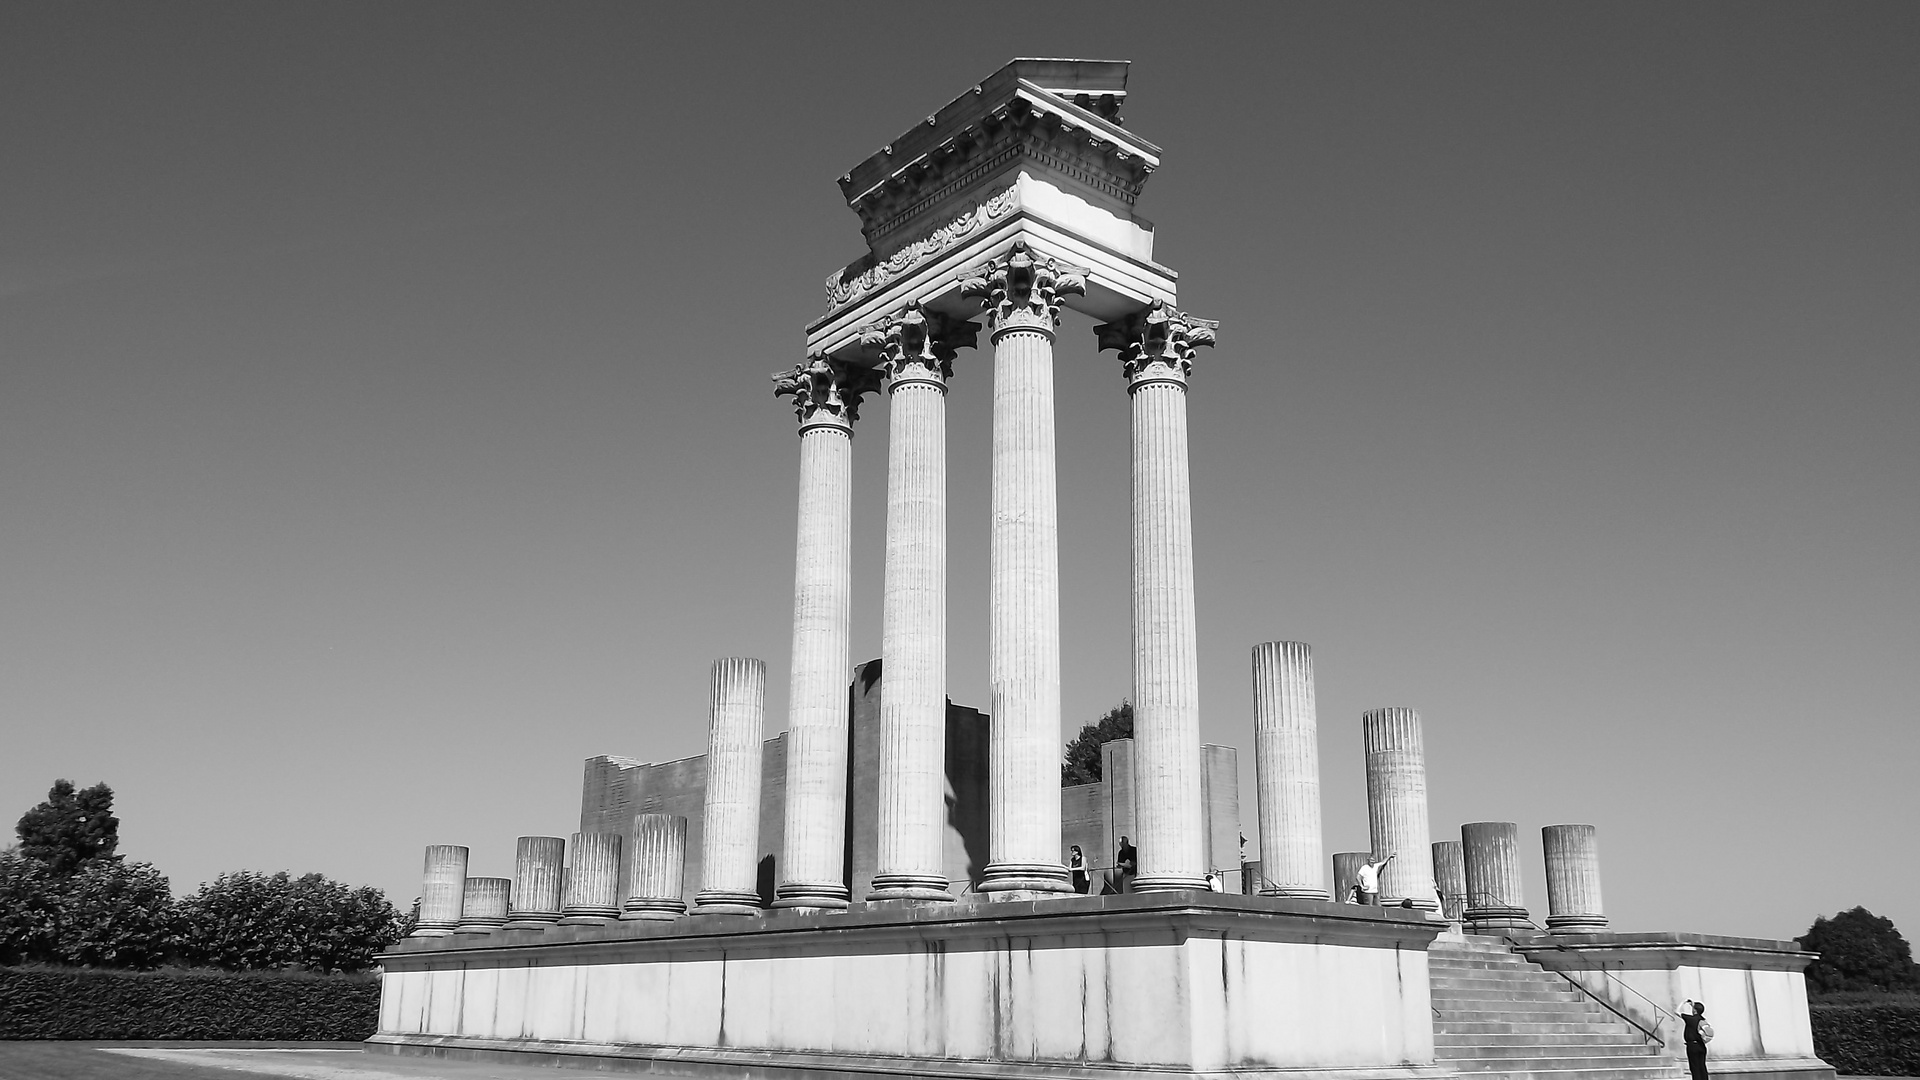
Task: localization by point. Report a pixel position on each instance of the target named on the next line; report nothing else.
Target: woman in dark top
(1696, 1038)
(1077, 865)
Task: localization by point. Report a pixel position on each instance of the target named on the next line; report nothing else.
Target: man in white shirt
(1367, 879)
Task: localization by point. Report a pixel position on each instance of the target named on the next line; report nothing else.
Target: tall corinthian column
(730, 844)
(917, 348)
(1286, 759)
(1156, 351)
(826, 397)
(1397, 805)
(1021, 294)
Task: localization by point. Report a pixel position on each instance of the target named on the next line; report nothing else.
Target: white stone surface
(483, 906)
(1023, 595)
(1286, 748)
(1450, 876)
(1490, 851)
(1125, 994)
(539, 867)
(913, 711)
(1166, 666)
(1397, 805)
(443, 887)
(657, 865)
(1574, 904)
(730, 839)
(592, 889)
(812, 868)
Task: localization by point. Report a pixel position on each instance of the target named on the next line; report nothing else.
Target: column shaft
(913, 674)
(1346, 871)
(813, 871)
(730, 842)
(593, 879)
(1166, 672)
(1024, 612)
(1573, 880)
(1450, 877)
(539, 865)
(1286, 748)
(483, 908)
(1491, 852)
(657, 866)
(1397, 805)
(443, 888)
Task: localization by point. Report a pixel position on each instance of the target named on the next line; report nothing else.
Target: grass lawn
(39, 1060)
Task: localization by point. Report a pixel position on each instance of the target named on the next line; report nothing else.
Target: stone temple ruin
(882, 889)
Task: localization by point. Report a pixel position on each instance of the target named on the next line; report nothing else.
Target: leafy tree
(1858, 951)
(71, 828)
(252, 921)
(1082, 764)
(116, 914)
(29, 910)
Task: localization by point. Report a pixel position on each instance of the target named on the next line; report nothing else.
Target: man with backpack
(1699, 1033)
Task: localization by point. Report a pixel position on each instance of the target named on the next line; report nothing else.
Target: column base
(1576, 924)
(479, 928)
(659, 909)
(890, 888)
(1025, 877)
(726, 902)
(442, 930)
(532, 920)
(1428, 904)
(1480, 920)
(1149, 883)
(588, 916)
(812, 895)
(1289, 892)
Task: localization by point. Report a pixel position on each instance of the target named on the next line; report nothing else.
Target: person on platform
(1214, 883)
(1126, 863)
(1698, 1034)
(1077, 866)
(1367, 880)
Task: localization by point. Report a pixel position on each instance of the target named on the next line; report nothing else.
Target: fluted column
(813, 865)
(1156, 351)
(1346, 871)
(1491, 852)
(483, 907)
(656, 868)
(592, 893)
(1450, 877)
(1286, 760)
(1397, 805)
(730, 844)
(917, 348)
(443, 886)
(1021, 295)
(1573, 880)
(539, 867)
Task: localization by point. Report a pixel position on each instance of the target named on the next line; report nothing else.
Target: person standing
(1077, 866)
(1367, 880)
(1126, 863)
(1698, 1034)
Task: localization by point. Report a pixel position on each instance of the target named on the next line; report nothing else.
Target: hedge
(66, 1003)
(1869, 1039)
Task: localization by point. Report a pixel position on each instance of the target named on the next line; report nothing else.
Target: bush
(68, 1004)
(1869, 1039)
(106, 913)
(250, 921)
(1858, 951)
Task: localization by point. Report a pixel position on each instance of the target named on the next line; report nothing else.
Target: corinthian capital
(826, 391)
(1022, 289)
(919, 345)
(1157, 345)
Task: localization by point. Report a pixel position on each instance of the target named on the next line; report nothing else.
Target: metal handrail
(1661, 1015)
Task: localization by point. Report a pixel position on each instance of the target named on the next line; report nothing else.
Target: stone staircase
(1496, 1014)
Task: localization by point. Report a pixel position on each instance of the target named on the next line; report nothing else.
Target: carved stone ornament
(1157, 344)
(823, 385)
(1022, 289)
(919, 344)
(846, 286)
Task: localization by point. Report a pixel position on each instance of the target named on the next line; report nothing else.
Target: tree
(108, 913)
(71, 828)
(250, 921)
(29, 910)
(1858, 951)
(1082, 763)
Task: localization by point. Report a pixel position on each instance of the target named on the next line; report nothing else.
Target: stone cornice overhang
(1171, 920)
(1060, 116)
(1663, 950)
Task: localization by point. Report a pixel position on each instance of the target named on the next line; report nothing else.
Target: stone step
(1511, 992)
(1552, 1066)
(1623, 1073)
(1535, 1052)
(1472, 987)
(1501, 1026)
(1454, 1037)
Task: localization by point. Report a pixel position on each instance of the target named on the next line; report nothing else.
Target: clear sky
(385, 423)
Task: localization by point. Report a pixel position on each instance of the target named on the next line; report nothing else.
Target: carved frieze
(842, 289)
(1157, 344)
(824, 386)
(1023, 289)
(918, 344)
